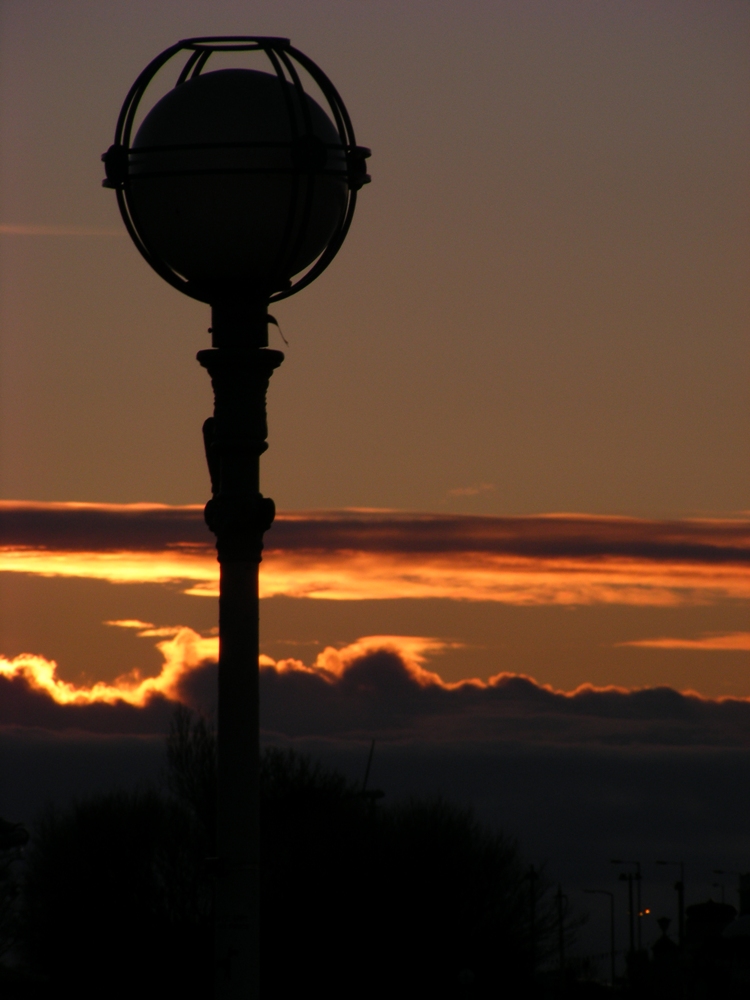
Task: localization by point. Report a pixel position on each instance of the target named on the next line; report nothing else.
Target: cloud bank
(364, 555)
(378, 686)
(732, 641)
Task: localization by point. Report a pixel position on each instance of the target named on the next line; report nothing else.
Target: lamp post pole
(628, 877)
(680, 889)
(606, 892)
(238, 188)
(633, 877)
(235, 438)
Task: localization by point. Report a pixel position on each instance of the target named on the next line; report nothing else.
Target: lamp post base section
(235, 438)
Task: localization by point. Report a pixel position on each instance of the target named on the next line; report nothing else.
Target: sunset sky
(510, 435)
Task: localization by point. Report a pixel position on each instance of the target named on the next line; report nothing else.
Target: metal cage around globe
(238, 187)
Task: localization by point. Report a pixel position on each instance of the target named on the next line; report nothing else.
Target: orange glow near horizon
(353, 576)
(554, 559)
(187, 650)
(737, 641)
(472, 576)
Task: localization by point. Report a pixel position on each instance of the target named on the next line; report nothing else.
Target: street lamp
(680, 889)
(238, 189)
(631, 877)
(606, 892)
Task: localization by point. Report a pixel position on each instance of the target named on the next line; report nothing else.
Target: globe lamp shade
(238, 187)
(225, 193)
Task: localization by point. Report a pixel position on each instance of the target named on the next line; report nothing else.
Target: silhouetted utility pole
(628, 877)
(367, 769)
(639, 924)
(680, 889)
(606, 892)
(634, 877)
(370, 795)
(238, 188)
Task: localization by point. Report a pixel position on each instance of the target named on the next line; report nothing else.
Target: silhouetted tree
(412, 899)
(114, 902)
(10, 862)
(191, 771)
(359, 901)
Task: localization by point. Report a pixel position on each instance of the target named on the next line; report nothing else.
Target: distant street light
(680, 888)
(633, 877)
(628, 877)
(606, 892)
(238, 189)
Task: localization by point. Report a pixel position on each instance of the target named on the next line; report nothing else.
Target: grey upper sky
(542, 304)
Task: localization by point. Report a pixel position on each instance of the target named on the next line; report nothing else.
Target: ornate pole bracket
(235, 438)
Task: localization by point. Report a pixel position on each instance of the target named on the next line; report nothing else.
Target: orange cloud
(378, 684)
(183, 653)
(735, 641)
(563, 559)
(487, 577)
(186, 651)
(170, 566)
(331, 664)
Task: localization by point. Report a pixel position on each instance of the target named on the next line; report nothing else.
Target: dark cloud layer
(379, 692)
(148, 527)
(21, 705)
(101, 527)
(550, 536)
(379, 695)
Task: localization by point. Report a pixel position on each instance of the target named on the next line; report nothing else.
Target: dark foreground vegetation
(112, 899)
(358, 899)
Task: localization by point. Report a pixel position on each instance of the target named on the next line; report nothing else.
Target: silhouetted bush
(358, 900)
(403, 900)
(191, 774)
(10, 863)
(114, 904)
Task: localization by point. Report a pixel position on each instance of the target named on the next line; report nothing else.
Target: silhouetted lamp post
(631, 877)
(680, 889)
(612, 953)
(238, 189)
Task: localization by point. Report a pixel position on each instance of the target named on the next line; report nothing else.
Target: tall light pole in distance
(680, 887)
(633, 877)
(607, 892)
(238, 189)
(628, 877)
